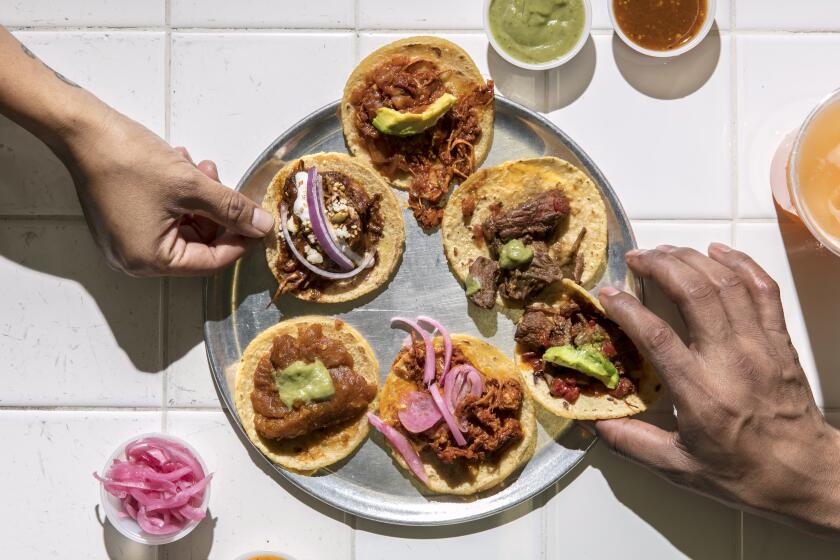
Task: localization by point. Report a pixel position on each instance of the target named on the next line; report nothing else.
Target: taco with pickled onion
(338, 231)
(302, 390)
(420, 112)
(512, 231)
(579, 364)
(455, 411)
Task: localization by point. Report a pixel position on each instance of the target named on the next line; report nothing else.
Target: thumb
(646, 444)
(228, 208)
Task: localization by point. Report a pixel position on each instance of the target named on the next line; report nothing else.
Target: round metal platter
(369, 484)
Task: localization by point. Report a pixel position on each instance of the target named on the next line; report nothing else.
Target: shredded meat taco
(420, 112)
(338, 231)
(462, 425)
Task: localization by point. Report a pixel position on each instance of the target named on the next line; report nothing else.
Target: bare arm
(148, 206)
(749, 432)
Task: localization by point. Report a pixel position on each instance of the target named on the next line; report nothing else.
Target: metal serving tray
(369, 484)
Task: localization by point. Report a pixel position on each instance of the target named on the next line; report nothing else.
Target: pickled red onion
(455, 387)
(429, 361)
(447, 416)
(447, 340)
(420, 412)
(401, 445)
(318, 219)
(160, 485)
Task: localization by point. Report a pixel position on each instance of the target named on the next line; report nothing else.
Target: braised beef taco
(302, 390)
(420, 112)
(514, 230)
(338, 229)
(462, 426)
(579, 364)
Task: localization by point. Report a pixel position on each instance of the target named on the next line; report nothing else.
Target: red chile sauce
(660, 25)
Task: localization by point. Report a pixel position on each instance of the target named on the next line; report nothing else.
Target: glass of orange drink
(813, 172)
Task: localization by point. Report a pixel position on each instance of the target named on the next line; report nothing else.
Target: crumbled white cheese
(291, 226)
(312, 255)
(301, 206)
(341, 232)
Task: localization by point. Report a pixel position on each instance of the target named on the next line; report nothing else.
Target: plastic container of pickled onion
(128, 527)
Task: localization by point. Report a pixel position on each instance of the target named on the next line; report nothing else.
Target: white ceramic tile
(74, 331)
(233, 93)
(807, 276)
(50, 507)
(432, 14)
(808, 15)
(696, 235)
(514, 534)
(250, 508)
(601, 14)
(102, 13)
(615, 509)
(658, 129)
(769, 540)
(525, 87)
(780, 79)
(125, 69)
(262, 13)
(188, 377)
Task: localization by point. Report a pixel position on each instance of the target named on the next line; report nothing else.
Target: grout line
(163, 335)
(41, 218)
(78, 408)
(741, 534)
(733, 138)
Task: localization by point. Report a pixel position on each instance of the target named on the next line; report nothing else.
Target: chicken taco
(513, 230)
(302, 390)
(338, 232)
(579, 364)
(455, 411)
(420, 112)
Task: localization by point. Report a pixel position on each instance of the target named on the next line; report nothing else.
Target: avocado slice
(395, 123)
(586, 359)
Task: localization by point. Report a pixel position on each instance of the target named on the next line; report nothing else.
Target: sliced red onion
(401, 445)
(420, 412)
(319, 271)
(447, 416)
(429, 362)
(160, 485)
(447, 340)
(318, 219)
(458, 382)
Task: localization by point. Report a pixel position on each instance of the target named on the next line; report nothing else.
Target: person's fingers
(184, 152)
(763, 289)
(227, 207)
(209, 169)
(645, 444)
(193, 258)
(654, 338)
(695, 296)
(732, 290)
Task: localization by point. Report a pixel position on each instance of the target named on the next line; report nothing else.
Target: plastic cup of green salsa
(541, 41)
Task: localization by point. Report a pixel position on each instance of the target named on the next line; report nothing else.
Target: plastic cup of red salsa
(125, 525)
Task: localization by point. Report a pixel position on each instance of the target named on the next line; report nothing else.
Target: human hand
(151, 210)
(749, 432)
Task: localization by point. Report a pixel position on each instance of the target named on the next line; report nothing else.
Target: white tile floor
(95, 356)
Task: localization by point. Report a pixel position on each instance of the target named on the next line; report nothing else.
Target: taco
(579, 364)
(468, 429)
(420, 112)
(302, 390)
(340, 249)
(512, 230)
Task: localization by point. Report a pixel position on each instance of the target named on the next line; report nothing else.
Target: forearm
(43, 101)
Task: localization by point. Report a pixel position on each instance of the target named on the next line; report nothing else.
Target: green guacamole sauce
(304, 383)
(537, 31)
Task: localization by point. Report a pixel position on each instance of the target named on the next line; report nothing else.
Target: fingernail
(665, 248)
(608, 291)
(262, 220)
(720, 247)
(633, 253)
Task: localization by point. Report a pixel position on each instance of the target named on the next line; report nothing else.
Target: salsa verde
(537, 31)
